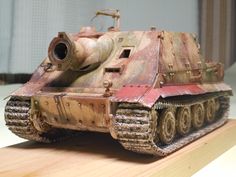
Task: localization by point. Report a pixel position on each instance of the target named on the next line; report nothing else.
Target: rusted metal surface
(94, 81)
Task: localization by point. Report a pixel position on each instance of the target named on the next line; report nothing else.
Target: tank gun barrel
(77, 53)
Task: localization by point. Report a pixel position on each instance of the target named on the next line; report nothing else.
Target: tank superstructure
(151, 90)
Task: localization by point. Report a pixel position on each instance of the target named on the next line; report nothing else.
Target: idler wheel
(183, 119)
(198, 115)
(210, 106)
(167, 126)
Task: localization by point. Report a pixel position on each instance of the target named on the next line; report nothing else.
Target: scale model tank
(151, 90)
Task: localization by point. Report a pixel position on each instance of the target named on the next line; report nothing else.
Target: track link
(137, 129)
(17, 118)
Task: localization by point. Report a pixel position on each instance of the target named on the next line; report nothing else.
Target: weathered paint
(73, 111)
(148, 96)
(141, 66)
(131, 93)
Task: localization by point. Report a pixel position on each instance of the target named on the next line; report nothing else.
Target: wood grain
(92, 154)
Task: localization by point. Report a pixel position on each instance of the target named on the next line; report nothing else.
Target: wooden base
(94, 154)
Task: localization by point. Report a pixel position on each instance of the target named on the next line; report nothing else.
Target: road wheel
(183, 118)
(210, 107)
(167, 126)
(198, 115)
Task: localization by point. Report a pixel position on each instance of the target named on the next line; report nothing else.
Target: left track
(137, 127)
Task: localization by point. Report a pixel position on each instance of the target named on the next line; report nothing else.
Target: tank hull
(72, 111)
(137, 127)
(151, 90)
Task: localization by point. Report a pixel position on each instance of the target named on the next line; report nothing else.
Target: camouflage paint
(160, 64)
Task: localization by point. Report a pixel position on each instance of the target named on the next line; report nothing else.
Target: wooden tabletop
(96, 154)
